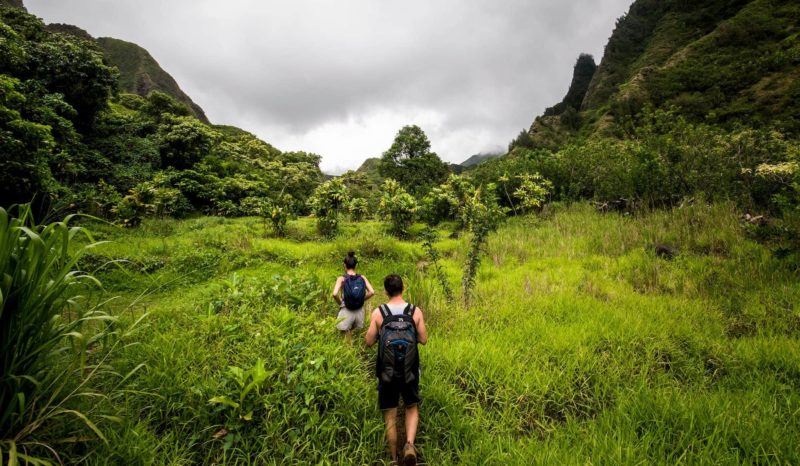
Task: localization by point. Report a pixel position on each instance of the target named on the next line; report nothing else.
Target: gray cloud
(340, 78)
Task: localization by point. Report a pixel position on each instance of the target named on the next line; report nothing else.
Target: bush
(328, 200)
(448, 201)
(398, 207)
(533, 191)
(359, 209)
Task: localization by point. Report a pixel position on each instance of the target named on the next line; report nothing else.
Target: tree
(359, 209)
(411, 163)
(183, 141)
(482, 215)
(523, 139)
(26, 147)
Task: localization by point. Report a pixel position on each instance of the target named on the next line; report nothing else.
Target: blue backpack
(355, 290)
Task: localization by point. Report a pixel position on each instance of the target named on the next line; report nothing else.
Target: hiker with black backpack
(351, 292)
(398, 327)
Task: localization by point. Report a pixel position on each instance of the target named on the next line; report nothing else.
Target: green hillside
(12, 3)
(71, 140)
(141, 74)
(719, 62)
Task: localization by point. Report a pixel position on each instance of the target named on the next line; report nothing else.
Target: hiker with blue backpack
(351, 292)
(398, 327)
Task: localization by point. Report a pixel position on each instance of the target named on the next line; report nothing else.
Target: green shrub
(398, 207)
(532, 192)
(448, 201)
(329, 199)
(359, 209)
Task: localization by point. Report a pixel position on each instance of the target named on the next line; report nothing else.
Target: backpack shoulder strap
(385, 312)
(409, 310)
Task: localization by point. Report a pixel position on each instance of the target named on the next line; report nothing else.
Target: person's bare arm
(370, 290)
(374, 326)
(422, 332)
(336, 288)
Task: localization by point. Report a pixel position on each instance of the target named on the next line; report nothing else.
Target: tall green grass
(580, 346)
(53, 338)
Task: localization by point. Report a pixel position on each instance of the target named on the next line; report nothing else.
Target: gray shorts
(348, 320)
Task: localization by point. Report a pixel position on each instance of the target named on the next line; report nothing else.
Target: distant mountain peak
(479, 158)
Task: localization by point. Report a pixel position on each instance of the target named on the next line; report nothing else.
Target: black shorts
(389, 394)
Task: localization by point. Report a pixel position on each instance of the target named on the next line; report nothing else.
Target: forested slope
(71, 139)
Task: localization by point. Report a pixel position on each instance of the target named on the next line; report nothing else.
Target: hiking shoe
(409, 455)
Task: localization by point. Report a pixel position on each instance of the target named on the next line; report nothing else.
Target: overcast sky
(340, 78)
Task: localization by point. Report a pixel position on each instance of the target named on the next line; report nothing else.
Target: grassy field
(581, 345)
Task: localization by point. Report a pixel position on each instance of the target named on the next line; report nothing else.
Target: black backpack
(355, 290)
(398, 359)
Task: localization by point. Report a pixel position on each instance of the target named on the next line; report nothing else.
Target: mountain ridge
(720, 62)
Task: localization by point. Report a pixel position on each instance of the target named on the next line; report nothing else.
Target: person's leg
(346, 321)
(412, 421)
(390, 417)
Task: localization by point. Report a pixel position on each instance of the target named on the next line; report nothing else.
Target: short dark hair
(393, 285)
(350, 260)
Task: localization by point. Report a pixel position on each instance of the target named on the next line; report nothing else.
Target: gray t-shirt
(396, 309)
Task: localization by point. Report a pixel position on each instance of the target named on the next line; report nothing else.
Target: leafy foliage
(449, 201)
(429, 238)
(532, 192)
(482, 215)
(359, 209)
(69, 138)
(399, 207)
(329, 200)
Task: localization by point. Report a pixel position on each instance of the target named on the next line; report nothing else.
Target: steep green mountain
(560, 122)
(141, 74)
(74, 31)
(724, 63)
(12, 3)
